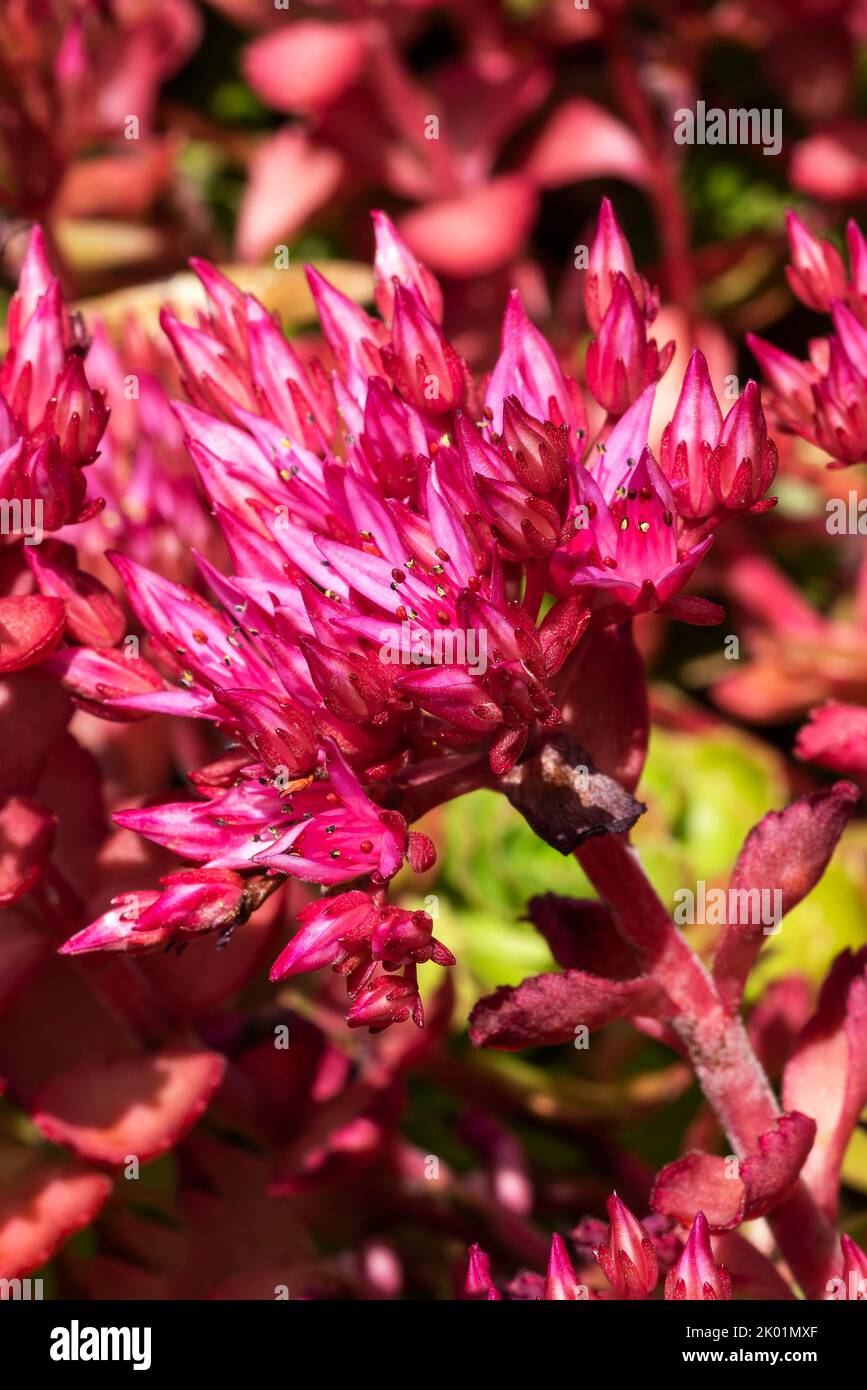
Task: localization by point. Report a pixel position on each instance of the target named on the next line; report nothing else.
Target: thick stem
(726, 1066)
(664, 187)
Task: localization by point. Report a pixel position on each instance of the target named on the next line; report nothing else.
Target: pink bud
(478, 1282)
(330, 933)
(816, 275)
(50, 481)
(29, 374)
(628, 1259)
(394, 435)
(525, 525)
(841, 409)
(399, 936)
(854, 1270)
(93, 615)
(696, 1276)
(34, 280)
(422, 362)
(610, 256)
(228, 306)
(538, 450)
(620, 361)
(857, 289)
(561, 1281)
(790, 380)
(274, 727)
(350, 686)
(115, 930)
(745, 463)
(395, 261)
(94, 677)
(853, 336)
(215, 380)
(384, 1000)
(527, 367)
(690, 438)
(77, 415)
(195, 900)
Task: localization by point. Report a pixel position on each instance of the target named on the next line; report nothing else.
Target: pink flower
(352, 931)
(376, 642)
(689, 439)
(854, 1270)
(744, 463)
(816, 274)
(611, 256)
(628, 553)
(620, 360)
(696, 1276)
(628, 1258)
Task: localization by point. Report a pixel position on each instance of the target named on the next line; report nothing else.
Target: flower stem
(727, 1069)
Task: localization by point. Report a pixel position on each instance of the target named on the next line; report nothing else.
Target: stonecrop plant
(425, 586)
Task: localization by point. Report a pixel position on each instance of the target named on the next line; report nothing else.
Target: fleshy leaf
(827, 1074)
(546, 1009)
(131, 1105)
(788, 851)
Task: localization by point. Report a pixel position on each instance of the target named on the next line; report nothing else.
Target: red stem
(663, 183)
(726, 1066)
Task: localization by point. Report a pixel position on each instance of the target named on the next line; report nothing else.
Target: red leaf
(42, 1201)
(476, 232)
(603, 697)
(827, 1075)
(139, 1105)
(306, 66)
(769, 1174)
(727, 1192)
(33, 714)
(582, 141)
(26, 837)
(30, 625)
(582, 936)
(700, 1182)
(546, 1009)
(787, 851)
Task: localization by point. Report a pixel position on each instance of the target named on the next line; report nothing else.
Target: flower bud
(537, 449)
(561, 1281)
(77, 414)
(276, 729)
(628, 1258)
(696, 1276)
(816, 274)
(424, 365)
(745, 462)
(384, 1000)
(690, 438)
(610, 256)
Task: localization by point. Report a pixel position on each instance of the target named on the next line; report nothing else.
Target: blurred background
(141, 133)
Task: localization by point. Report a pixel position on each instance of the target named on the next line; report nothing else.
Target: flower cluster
(823, 399)
(629, 1258)
(391, 505)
